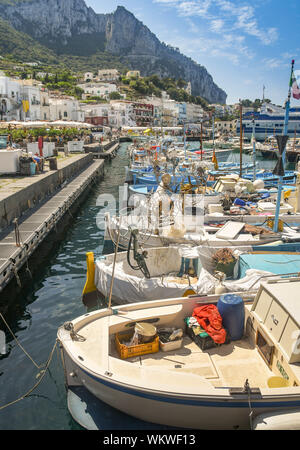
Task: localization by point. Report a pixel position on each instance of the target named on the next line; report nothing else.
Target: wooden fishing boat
(250, 381)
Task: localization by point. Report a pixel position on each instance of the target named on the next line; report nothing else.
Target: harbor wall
(13, 205)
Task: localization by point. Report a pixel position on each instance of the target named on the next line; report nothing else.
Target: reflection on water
(35, 312)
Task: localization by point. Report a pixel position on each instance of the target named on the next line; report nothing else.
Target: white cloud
(224, 16)
(217, 25)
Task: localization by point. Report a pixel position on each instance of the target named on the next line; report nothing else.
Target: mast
(284, 133)
(253, 154)
(184, 133)
(241, 138)
(201, 140)
(213, 131)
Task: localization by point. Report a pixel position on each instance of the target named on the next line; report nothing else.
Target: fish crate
(126, 351)
(204, 342)
(226, 268)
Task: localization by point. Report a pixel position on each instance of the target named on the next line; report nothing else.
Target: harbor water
(35, 311)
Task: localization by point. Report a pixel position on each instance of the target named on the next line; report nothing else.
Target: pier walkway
(30, 227)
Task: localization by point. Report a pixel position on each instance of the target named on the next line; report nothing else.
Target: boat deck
(228, 365)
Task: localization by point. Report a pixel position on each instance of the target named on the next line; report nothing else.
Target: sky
(244, 45)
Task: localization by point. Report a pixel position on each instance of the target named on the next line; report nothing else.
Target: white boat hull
(201, 412)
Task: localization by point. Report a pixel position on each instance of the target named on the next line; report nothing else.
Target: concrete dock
(32, 206)
(106, 150)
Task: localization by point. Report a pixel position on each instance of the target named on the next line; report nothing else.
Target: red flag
(295, 88)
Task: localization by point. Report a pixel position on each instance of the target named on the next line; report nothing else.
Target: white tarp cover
(131, 286)
(207, 282)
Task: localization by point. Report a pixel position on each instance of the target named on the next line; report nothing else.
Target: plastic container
(134, 350)
(239, 202)
(231, 308)
(32, 168)
(172, 345)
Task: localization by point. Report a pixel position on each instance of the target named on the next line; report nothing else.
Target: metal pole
(201, 140)
(253, 154)
(213, 130)
(284, 132)
(241, 139)
(184, 140)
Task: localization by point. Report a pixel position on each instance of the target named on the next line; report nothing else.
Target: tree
(114, 96)
(181, 83)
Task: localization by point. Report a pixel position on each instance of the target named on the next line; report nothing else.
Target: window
(65, 114)
(265, 348)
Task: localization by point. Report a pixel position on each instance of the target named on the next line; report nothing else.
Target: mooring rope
(19, 344)
(43, 373)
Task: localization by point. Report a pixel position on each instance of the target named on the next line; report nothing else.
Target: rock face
(69, 26)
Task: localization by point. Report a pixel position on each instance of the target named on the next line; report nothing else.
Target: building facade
(97, 90)
(194, 113)
(108, 75)
(67, 108)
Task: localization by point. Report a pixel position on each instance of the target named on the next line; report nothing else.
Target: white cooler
(9, 161)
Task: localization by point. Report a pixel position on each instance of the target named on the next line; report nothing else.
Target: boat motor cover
(210, 320)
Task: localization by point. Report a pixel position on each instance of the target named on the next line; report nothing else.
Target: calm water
(36, 312)
(52, 298)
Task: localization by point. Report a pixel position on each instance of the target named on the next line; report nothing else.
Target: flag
(295, 87)
(25, 104)
(215, 161)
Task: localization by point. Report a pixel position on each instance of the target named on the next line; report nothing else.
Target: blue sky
(244, 45)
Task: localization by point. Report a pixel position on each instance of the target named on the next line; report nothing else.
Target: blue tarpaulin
(277, 263)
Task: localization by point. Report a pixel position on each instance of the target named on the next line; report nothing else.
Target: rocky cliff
(69, 26)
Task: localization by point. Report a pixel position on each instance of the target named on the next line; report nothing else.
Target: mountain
(69, 27)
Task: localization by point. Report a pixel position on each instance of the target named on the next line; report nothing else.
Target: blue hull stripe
(190, 402)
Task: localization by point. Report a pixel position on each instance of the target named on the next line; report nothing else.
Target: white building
(31, 93)
(89, 76)
(133, 74)
(121, 114)
(166, 111)
(10, 99)
(96, 114)
(67, 108)
(194, 113)
(108, 75)
(219, 110)
(97, 90)
(226, 126)
(45, 105)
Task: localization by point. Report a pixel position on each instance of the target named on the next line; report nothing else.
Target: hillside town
(102, 103)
